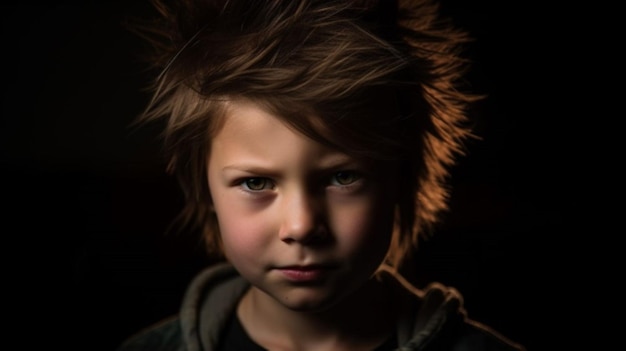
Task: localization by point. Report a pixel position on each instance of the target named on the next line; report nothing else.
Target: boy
(312, 141)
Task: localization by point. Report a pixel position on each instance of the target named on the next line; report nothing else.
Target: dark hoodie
(432, 318)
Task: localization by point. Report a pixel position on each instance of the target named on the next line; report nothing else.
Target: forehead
(244, 117)
(365, 128)
(250, 131)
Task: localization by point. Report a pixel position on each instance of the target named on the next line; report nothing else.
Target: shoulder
(163, 336)
(207, 304)
(472, 336)
(456, 329)
(434, 318)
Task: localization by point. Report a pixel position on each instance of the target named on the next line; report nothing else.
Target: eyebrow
(249, 168)
(338, 160)
(329, 162)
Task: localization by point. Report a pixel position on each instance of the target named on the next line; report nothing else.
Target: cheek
(365, 227)
(244, 235)
(245, 231)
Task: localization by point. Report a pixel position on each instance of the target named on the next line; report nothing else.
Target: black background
(88, 200)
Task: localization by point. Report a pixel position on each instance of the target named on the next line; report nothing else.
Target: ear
(210, 205)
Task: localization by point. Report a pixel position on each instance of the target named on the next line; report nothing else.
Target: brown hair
(382, 77)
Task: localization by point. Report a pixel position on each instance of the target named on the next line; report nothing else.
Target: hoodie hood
(213, 295)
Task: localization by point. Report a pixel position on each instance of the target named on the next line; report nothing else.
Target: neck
(360, 321)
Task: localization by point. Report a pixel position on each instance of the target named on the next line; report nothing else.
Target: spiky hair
(329, 59)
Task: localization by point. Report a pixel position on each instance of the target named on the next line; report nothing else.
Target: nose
(302, 219)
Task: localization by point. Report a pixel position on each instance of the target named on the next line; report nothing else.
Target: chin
(309, 301)
(311, 308)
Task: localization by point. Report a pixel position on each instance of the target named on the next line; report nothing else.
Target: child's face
(303, 223)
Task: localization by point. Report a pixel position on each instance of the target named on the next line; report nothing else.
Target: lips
(304, 274)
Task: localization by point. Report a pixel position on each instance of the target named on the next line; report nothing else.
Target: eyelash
(245, 184)
(354, 177)
(268, 184)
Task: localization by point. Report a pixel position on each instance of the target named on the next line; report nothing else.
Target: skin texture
(306, 225)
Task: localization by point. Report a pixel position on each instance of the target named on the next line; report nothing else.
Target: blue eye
(257, 184)
(343, 178)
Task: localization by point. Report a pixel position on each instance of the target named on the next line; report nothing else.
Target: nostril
(317, 236)
(288, 240)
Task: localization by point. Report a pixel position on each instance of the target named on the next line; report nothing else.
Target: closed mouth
(305, 274)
